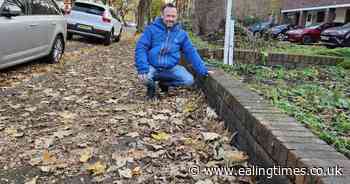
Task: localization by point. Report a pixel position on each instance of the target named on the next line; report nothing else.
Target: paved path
(85, 121)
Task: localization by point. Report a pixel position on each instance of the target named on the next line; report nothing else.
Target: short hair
(168, 5)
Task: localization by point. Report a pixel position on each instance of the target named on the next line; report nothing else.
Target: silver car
(30, 29)
(94, 20)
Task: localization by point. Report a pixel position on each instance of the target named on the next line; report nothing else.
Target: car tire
(57, 50)
(307, 39)
(280, 37)
(331, 46)
(117, 39)
(109, 38)
(257, 34)
(69, 36)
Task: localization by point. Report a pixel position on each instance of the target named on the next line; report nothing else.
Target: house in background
(261, 9)
(307, 12)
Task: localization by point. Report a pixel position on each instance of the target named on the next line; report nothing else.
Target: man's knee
(188, 81)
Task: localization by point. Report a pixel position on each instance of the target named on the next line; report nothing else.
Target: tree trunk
(143, 11)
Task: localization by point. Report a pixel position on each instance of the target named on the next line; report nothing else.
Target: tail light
(106, 18)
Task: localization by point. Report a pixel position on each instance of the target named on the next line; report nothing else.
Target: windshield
(313, 26)
(346, 25)
(88, 8)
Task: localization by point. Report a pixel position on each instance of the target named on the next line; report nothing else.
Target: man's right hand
(143, 78)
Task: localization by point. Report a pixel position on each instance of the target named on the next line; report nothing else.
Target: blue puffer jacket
(161, 48)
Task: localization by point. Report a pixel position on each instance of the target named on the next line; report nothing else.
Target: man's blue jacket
(161, 47)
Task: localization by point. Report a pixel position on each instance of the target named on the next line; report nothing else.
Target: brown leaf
(97, 168)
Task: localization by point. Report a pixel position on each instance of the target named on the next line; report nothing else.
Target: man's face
(169, 16)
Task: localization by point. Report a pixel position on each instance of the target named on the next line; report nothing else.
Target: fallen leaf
(13, 132)
(190, 107)
(46, 168)
(136, 154)
(61, 134)
(156, 154)
(33, 180)
(235, 156)
(31, 109)
(125, 173)
(161, 136)
(160, 117)
(120, 161)
(133, 134)
(86, 155)
(48, 158)
(136, 171)
(97, 168)
(210, 136)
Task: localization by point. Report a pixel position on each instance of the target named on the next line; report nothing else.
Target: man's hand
(143, 78)
(210, 72)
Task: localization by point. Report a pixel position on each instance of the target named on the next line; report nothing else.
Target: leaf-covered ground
(85, 121)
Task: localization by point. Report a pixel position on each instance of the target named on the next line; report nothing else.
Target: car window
(43, 7)
(313, 26)
(54, 7)
(22, 4)
(88, 8)
(112, 13)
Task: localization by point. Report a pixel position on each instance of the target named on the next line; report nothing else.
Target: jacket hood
(158, 22)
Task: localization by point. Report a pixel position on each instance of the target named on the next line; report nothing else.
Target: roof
(297, 5)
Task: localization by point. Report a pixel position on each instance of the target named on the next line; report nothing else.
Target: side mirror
(11, 11)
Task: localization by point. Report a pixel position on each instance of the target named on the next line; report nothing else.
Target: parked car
(258, 29)
(31, 30)
(279, 32)
(94, 20)
(60, 4)
(337, 36)
(310, 34)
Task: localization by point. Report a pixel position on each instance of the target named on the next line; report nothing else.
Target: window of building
(320, 16)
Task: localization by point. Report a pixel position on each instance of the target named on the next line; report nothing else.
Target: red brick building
(307, 12)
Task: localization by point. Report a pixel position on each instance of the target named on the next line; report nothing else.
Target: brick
(219, 54)
(279, 153)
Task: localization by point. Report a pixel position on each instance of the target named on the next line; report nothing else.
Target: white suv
(94, 20)
(30, 29)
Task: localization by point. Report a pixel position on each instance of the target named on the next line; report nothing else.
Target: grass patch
(200, 44)
(318, 97)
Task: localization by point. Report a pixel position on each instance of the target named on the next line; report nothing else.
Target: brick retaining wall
(273, 59)
(269, 136)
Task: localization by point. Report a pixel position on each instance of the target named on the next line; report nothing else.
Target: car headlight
(342, 32)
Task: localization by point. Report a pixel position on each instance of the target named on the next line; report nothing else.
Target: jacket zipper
(166, 47)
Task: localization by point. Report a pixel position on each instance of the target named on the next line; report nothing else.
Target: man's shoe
(163, 88)
(151, 94)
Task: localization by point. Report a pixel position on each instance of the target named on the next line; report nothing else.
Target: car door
(41, 21)
(15, 34)
(53, 19)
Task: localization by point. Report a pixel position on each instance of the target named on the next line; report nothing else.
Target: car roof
(92, 3)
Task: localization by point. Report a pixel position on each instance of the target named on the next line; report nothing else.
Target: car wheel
(280, 37)
(57, 50)
(307, 39)
(331, 46)
(257, 35)
(117, 39)
(69, 36)
(109, 38)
